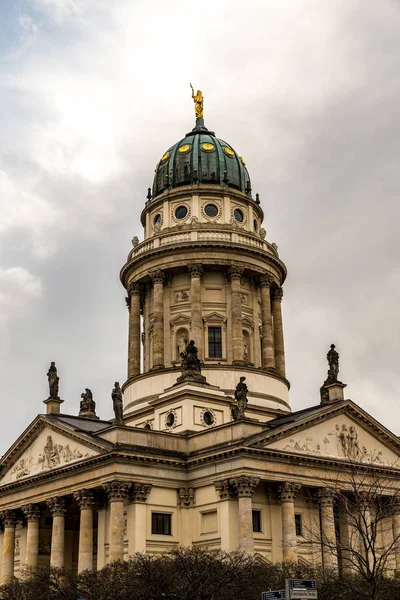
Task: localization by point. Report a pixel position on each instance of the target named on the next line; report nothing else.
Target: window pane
(214, 342)
(161, 523)
(256, 520)
(299, 524)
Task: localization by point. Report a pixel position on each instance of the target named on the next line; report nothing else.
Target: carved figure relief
(182, 296)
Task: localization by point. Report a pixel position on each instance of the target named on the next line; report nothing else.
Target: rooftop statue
(198, 103)
(241, 392)
(116, 396)
(333, 361)
(88, 405)
(191, 365)
(53, 381)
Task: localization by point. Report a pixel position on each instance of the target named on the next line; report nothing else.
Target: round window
(170, 420)
(211, 210)
(255, 224)
(157, 219)
(238, 214)
(181, 212)
(208, 418)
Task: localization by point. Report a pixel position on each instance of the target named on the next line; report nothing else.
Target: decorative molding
(235, 272)
(133, 289)
(186, 497)
(244, 486)
(217, 204)
(31, 512)
(267, 280)
(175, 206)
(212, 412)
(195, 270)
(84, 498)
(157, 276)
(224, 489)
(182, 296)
(9, 518)
(288, 491)
(326, 496)
(277, 294)
(56, 506)
(117, 491)
(140, 491)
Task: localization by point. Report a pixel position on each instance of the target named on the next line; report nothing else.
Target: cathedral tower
(203, 272)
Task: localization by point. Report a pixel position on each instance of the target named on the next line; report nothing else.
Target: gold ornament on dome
(242, 161)
(229, 151)
(198, 103)
(207, 147)
(165, 156)
(184, 149)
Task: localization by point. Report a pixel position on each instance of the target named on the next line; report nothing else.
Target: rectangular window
(161, 523)
(214, 342)
(298, 521)
(257, 520)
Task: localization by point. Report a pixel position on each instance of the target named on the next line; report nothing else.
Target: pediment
(50, 449)
(340, 436)
(214, 317)
(180, 319)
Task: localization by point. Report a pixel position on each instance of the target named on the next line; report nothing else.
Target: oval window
(208, 418)
(157, 219)
(170, 420)
(255, 224)
(211, 210)
(238, 214)
(181, 212)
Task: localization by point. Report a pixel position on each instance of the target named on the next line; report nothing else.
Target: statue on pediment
(88, 405)
(118, 404)
(53, 381)
(333, 361)
(241, 392)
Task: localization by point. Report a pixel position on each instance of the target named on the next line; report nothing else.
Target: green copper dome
(200, 157)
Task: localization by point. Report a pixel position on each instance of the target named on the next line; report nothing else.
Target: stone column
(235, 274)
(268, 356)
(134, 330)
(117, 492)
(186, 501)
(396, 534)
(328, 535)
(7, 563)
(158, 319)
(137, 518)
(245, 488)
(85, 502)
(228, 515)
(278, 332)
(196, 329)
(32, 515)
(57, 508)
(287, 492)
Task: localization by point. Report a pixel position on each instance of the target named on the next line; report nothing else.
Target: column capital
(56, 506)
(133, 289)
(31, 512)
(186, 497)
(158, 276)
(9, 518)
(84, 499)
(140, 491)
(288, 490)
(196, 270)
(277, 294)
(235, 272)
(326, 496)
(117, 491)
(224, 489)
(244, 485)
(267, 280)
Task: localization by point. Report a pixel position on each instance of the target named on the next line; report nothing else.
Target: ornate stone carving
(56, 506)
(133, 289)
(195, 270)
(117, 491)
(118, 404)
(235, 272)
(326, 496)
(157, 276)
(88, 405)
(224, 489)
(238, 412)
(277, 294)
(288, 491)
(84, 498)
(9, 518)
(31, 512)
(244, 485)
(190, 365)
(135, 241)
(266, 280)
(53, 381)
(186, 497)
(140, 491)
(182, 296)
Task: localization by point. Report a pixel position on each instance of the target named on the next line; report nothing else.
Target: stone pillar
(396, 534)
(328, 534)
(57, 508)
(186, 501)
(85, 502)
(278, 332)
(134, 330)
(158, 319)
(245, 488)
(7, 563)
(137, 522)
(117, 492)
(287, 492)
(228, 515)
(196, 329)
(268, 356)
(32, 515)
(235, 274)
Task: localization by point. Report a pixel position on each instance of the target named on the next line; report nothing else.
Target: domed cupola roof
(201, 157)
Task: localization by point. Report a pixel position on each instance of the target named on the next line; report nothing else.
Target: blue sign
(303, 584)
(273, 595)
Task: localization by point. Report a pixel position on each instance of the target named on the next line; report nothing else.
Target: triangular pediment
(42, 448)
(214, 317)
(347, 434)
(180, 319)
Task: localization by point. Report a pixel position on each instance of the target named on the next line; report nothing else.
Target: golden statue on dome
(198, 103)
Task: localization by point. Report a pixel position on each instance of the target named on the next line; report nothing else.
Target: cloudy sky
(92, 94)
